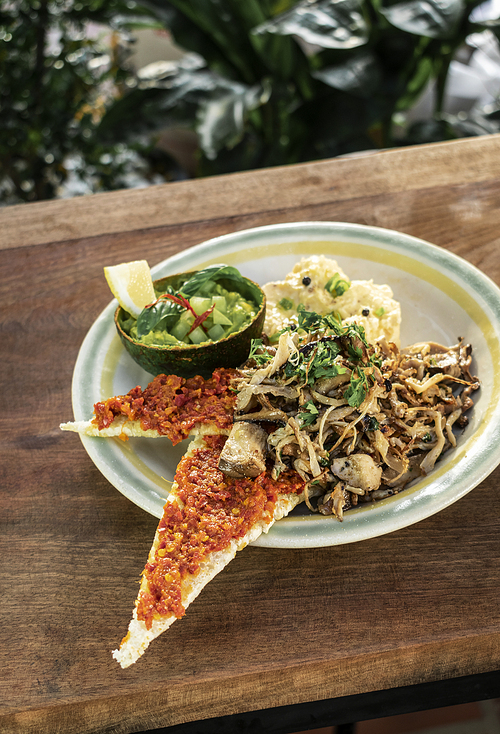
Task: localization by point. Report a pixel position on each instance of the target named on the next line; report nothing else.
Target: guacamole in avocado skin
(196, 311)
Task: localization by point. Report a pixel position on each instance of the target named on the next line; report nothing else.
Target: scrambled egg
(369, 305)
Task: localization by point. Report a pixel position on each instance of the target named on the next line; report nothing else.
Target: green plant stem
(39, 70)
(219, 34)
(441, 79)
(386, 132)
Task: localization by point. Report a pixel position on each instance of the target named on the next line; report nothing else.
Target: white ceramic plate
(442, 297)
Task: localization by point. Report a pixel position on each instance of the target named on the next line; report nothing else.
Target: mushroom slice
(244, 453)
(359, 470)
(335, 502)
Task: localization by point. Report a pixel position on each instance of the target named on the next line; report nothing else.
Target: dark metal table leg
(346, 728)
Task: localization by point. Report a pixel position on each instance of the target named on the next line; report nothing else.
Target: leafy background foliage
(264, 82)
(56, 81)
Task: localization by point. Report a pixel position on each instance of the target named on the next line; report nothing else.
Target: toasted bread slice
(208, 515)
(259, 502)
(169, 406)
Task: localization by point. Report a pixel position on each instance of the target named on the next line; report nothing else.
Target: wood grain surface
(275, 627)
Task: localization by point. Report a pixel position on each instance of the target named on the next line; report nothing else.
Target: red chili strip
(180, 300)
(200, 319)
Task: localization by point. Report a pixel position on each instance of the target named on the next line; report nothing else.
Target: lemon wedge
(132, 285)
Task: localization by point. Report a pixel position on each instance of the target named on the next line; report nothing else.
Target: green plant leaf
(185, 92)
(221, 120)
(360, 74)
(216, 29)
(164, 312)
(430, 18)
(416, 82)
(270, 82)
(258, 352)
(325, 23)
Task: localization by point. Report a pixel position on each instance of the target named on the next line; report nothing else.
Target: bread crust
(123, 427)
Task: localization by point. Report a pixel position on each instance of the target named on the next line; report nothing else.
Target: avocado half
(196, 359)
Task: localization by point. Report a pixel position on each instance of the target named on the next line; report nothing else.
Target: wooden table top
(276, 627)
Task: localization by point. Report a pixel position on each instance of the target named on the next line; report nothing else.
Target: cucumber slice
(180, 329)
(200, 305)
(198, 336)
(216, 332)
(220, 318)
(220, 303)
(187, 317)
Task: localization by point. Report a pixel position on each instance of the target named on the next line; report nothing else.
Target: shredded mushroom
(356, 421)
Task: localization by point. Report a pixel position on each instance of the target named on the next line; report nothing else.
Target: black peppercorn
(306, 280)
(365, 312)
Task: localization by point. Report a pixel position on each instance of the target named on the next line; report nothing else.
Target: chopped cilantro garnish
(317, 359)
(308, 320)
(309, 414)
(259, 357)
(358, 387)
(355, 352)
(322, 364)
(316, 364)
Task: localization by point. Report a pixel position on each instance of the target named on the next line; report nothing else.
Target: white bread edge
(139, 637)
(121, 426)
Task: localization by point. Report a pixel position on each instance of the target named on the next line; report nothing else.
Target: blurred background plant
(259, 83)
(62, 64)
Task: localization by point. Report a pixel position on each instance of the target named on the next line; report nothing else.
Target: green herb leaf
(308, 320)
(323, 364)
(259, 357)
(162, 314)
(354, 352)
(211, 274)
(357, 390)
(309, 415)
